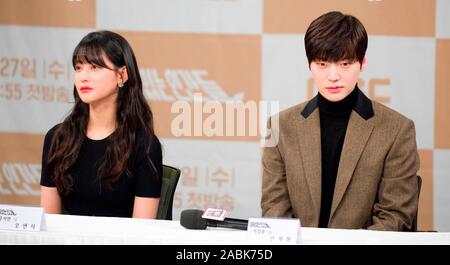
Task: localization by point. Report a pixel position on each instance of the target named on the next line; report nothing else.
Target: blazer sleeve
(398, 189)
(275, 201)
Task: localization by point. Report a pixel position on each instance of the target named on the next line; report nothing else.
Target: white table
(66, 229)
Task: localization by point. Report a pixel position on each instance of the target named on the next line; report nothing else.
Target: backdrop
(225, 50)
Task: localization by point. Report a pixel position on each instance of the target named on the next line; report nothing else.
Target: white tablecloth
(66, 229)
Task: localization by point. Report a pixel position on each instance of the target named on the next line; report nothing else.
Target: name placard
(22, 218)
(274, 230)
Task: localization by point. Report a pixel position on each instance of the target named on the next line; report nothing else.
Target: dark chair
(414, 223)
(169, 184)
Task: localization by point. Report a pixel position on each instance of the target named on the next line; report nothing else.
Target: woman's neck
(102, 120)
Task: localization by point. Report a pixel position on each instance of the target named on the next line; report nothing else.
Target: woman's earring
(120, 84)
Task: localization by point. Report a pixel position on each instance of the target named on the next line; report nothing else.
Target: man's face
(336, 80)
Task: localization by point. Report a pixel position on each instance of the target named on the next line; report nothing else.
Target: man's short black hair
(333, 37)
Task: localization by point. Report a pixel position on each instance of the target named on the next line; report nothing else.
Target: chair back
(169, 184)
(414, 223)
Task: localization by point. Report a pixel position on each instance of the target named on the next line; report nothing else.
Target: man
(342, 160)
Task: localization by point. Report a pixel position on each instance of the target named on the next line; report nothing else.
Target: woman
(104, 159)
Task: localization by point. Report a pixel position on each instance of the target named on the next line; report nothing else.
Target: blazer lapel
(310, 149)
(357, 135)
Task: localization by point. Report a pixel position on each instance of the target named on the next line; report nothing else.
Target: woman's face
(96, 84)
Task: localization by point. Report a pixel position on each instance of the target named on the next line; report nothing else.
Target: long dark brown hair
(132, 113)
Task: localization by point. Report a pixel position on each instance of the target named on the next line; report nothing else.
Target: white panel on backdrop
(205, 16)
(402, 72)
(216, 173)
(441, 195)
(285, 70)
(36, 82)
(443, 19)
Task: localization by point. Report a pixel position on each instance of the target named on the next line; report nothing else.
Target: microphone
(192, 219)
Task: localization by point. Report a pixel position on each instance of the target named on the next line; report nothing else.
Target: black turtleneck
(334, 118)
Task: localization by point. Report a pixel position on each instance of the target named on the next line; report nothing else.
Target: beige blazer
(376, 186)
